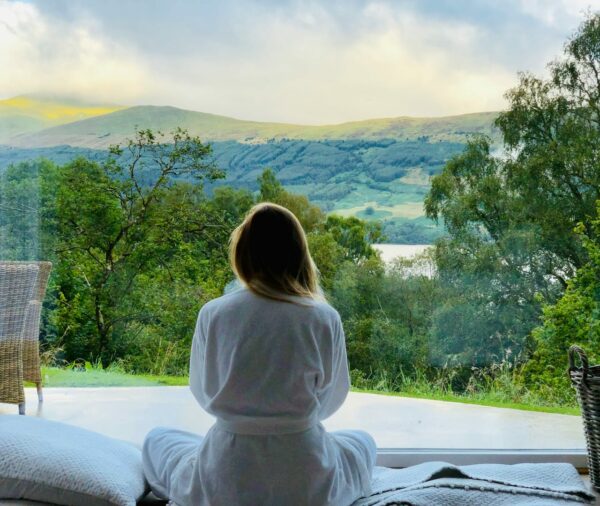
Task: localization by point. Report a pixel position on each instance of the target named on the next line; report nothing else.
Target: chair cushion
(61, 464)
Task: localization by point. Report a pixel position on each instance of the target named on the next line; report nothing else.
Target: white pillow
(57, 463)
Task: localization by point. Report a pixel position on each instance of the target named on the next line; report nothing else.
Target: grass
(409, 210)
(480, 400)
(498, 386)
(97, 377)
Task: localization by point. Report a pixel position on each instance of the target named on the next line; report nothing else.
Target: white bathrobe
(270, 371)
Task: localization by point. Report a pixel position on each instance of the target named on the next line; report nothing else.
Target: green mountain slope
(376, 169)
(101, 131)
(383, 180)
(25, 114)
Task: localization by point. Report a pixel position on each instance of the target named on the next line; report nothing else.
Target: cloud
(46, 56)
(296, 61)
(554, 13)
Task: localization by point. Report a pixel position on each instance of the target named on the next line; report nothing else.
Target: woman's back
(267, 364)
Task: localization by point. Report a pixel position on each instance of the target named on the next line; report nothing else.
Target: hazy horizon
(80, 101)
(300, 62)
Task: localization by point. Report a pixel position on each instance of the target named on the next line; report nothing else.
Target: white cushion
(58, 463)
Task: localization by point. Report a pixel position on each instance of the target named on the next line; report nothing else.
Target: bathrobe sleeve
(197, 363)
(334, 392)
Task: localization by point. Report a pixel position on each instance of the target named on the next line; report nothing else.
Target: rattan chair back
(31, 332)
(17, 287)
(586, 380)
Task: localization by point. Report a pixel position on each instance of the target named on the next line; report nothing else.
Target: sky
(295, 61)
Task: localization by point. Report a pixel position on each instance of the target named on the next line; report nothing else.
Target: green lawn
(96, 377)
(480, 399)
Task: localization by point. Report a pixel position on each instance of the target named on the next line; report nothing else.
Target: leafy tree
(511, 217)
(387, 314)
(328, 254)
(27, 225)
(354, 235)
(574, 319)
(270, 188)
(232, 203)
(552, 130)
(113, 230)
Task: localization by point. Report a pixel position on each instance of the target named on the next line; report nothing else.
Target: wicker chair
(31, 331)
(17, 288)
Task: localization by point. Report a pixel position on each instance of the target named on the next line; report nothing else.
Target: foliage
(27, 225)
(497, 388)
(574, 319)
(336, 175)
(354, 235)
(137, 250)
(511, 217)
(386, 316)
(117, 237)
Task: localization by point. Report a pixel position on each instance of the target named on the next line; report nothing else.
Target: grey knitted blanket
(441, 483)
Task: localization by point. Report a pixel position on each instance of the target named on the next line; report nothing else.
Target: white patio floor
(394, 422)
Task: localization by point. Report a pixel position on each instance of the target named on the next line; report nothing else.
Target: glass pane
(456, 235)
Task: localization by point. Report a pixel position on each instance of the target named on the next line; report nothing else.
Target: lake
(391, 251)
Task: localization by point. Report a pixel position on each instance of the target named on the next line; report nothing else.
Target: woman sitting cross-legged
(269, 362)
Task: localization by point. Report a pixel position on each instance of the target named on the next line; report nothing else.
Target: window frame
(405, 457)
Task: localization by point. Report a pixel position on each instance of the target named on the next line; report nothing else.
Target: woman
(269, 362)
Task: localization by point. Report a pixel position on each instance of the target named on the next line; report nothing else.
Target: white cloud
(394, 64)
(553, 13)
(306, 62)
(41, 55)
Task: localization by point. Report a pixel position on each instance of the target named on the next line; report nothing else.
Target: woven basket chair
(586, 380)
(17, 287)
(31, 332)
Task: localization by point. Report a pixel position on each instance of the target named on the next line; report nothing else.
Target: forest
(336, 175)
(139, 244)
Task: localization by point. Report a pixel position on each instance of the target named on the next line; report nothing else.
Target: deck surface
(395, 422)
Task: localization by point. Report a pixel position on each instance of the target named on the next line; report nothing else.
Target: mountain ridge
(29, 113)
(376, 169)
(115, 127)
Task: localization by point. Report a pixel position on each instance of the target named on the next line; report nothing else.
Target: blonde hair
(269, 253)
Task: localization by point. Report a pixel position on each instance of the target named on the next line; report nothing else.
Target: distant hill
(101, 131)
(377, 169)
(25, 114)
